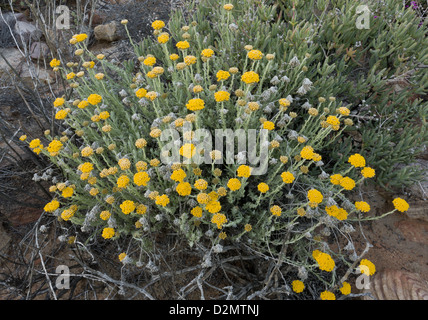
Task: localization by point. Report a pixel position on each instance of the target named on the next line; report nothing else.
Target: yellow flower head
(315, 196)
(287, 177)
(269, 125)
(122, 256)
(276, 210)
(219, 219)
(162, 200)
(263, 187)
(195, 104)
(250, 77)
(367, 267)
(127, 206)
(108, 233)
(400, 204)
(228, 7)
(141, 209)
(61, 114)
(284, 102)
(141, 93)
(80, 37)
(202, 198)
(86, 167)
(67, 192)
(357, 160)
(234, 184)
(105, 215)
(243, 171)
(362, 206)
(122, 181)
(82, 104)
(196, 212)
(324, 260)
(188, 150)
(201, 184)
(334, 122)
(346, 288)
(149, 61)
(163, 37)
(87, 152)
(207, 53)
(307, 153)
(336, 178)
(55, 63)
(297, 286)
(368, 172)
(67, 214)
(222, 75)
(184, 189)
(183, 45)
(58, 102)
(255, 54)
(158, 24)
(94, 99)
(189, 60)
(221, 96)
(213, 206)
(344, 111)
(178, 175)
(54, 147)
(347, 183)
(141, 178)
(327, 295)
(51, 206)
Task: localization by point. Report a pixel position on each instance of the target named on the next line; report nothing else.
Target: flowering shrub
(120, 181)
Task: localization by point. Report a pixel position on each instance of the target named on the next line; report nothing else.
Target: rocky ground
(399, 241)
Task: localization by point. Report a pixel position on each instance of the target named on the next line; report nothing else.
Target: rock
(418, 210)
(414, 230)
(26, 31)
(31, 72)
(108, 32)
(26, 71)
(398, 285)
(39, 50)
(98, 18)
(22, 216)
(13, 56)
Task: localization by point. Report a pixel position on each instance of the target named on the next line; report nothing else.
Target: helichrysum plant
(125, 123)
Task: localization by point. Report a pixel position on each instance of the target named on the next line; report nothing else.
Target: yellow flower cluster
(219, 219)
(195, 104)
(400, 204)
(222, 75)
(250, 77)
(324, 260)
(221, 96)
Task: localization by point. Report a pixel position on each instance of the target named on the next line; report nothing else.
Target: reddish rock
(23, 216)
(39, 50)
(414, 230)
